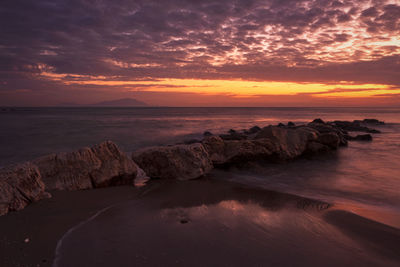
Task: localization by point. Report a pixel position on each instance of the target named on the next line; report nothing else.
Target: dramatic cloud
(105, 45)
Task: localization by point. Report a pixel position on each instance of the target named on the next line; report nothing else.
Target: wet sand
(204, 222)
(46, 221)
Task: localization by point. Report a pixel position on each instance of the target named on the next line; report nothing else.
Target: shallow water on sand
(364, 177)
(215, 223)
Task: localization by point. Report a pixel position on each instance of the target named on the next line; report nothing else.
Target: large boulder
(320, 121)
(233, 135)
(99, 166)
(215, 147)
(290, 143)
(19, 186)
(370, 121)
(182, 162)
(238, 151)
(325, 128)
(271, 143)
(353, 126)
(254, 129)
(314, 148)
(331, 140)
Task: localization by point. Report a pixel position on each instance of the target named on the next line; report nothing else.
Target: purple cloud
(291, 40)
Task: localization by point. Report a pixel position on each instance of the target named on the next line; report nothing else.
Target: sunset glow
(234, 88)
(324, 50)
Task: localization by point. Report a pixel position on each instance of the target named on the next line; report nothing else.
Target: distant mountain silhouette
(68, 104)
(125, 102)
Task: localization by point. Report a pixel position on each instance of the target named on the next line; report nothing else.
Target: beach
(197, 223)
(44, 223)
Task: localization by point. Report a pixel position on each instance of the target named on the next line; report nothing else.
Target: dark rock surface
(182, 162)
(20, 185)
(331, 140)
(254, 129)
(100, 166)
(289, 143)
(318, 121)
(360, 137)
(370, 121)
(234, 135)
(354, 126)
(207, 133)
(236, 151)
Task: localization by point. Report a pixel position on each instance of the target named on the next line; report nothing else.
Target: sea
(363, 178)
(364, 171)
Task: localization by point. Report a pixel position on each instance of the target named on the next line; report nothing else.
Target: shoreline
(222, 209)
(45, 222)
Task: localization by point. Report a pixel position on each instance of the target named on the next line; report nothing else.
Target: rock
(191, 141)
(323, 127)
(254, 129)
(234, 136)
(281, 124)
(370, 121)
(331, 140)
(329, 128)
(344, 124)
(290, 143)
(180, 162)
(100, 166)
(373, 121)
(349, 137)
(272, 143)
(343, 140)
(231, 131)
(315, 148)
(207, 133)
(141, 177)
(224, 152)
(363, 137)
(215, 147)
(20, 185)
(360, 137)
(291, 124)
(318, 121)
(239, 152)
(141, 174)
(354, 126)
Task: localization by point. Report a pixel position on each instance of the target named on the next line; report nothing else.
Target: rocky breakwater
(272, 143)
(99, 166)
(182, 162)
(343, 129)
(106, 165)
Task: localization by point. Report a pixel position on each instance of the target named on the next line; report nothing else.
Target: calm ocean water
(365, 177)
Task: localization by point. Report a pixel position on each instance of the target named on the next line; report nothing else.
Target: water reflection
(216, 223)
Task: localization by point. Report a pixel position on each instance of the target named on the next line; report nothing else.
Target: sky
(200, 53)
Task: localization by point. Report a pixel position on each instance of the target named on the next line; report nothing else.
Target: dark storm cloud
(250, 39)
